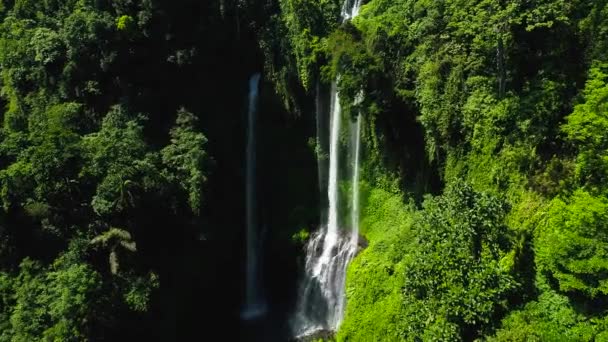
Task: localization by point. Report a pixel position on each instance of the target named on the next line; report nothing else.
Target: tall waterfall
(254, 302)
(321, 300)
(331, 234)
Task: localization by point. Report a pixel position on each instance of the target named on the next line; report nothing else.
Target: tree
(185, 159)
(112, 240)
(53, 304)
(572, 244)
(586, 127)
(455, 277)
(118, 160)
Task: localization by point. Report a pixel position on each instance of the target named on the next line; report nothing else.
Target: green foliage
(571, 243)
(437, 274)
(454, 282)
(6, 303)
(53, 304)
(185, 159)
(47, 46)
(375, 278)
(124, 22)
(490, 82)
(354, 66)
(140, 290)
(294, 46)
(550, 318)
(301, 236)
(494, 87)
(586, 127)
(118, 159)
(306, 21)
(44, 165)
(73, 163)
(595, 30)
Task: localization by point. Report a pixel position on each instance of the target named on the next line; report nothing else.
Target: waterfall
(318, 146)
(356, 155)
(321, 300)
(350, 9)
(331, 235)
(321, 146)
(254, 301)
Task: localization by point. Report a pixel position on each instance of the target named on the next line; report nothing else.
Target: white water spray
(255, 305)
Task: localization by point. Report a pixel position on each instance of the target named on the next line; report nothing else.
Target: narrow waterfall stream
(322, 147)
(356, 155)
(321, 300)
(255, 305)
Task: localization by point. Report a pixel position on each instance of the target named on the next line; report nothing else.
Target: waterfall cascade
(321, 299)
(350, 9)
(255, 305)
